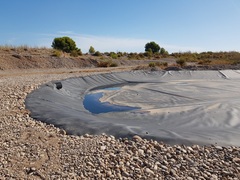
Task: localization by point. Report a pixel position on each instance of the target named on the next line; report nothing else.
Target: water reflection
(93, 104)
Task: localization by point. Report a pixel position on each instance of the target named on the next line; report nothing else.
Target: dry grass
(107, 63)
(23, 48)
(219, 62)
(210, 58)
(223, 62)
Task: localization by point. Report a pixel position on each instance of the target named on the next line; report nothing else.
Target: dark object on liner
(58, 85)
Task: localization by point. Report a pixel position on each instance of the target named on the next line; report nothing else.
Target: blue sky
(123, 25)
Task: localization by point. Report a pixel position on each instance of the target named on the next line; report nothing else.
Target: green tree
(65, 44)
(163, 51)
(91, 50)
(97, 53)
(152, 46)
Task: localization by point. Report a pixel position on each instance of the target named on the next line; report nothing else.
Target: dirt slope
(39, 58)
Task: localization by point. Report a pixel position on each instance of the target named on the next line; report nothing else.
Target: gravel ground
(33, 150)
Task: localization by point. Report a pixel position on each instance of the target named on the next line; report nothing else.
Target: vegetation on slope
(64, 48)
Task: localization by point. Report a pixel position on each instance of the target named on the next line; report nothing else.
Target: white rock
(141, 152)
(137, 138)
(214, 177)
(147, 170)
(102, 148)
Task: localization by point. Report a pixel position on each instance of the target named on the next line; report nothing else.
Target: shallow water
(93, 104)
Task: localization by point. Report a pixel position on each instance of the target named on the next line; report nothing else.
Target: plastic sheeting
(176, 107)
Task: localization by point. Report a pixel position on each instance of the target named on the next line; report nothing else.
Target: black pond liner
(177, 107)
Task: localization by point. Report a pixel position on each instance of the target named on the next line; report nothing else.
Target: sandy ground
(33, 150)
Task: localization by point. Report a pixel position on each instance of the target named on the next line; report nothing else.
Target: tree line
(152, 50)
(68, 45)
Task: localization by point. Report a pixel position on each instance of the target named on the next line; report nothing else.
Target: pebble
(137, 138)
(102, 148)
(147, 170)
(218, 147)
(141, 152)
(237, 160)
(63, 132)
(173, 172)
(164, 167)
(214, 177)
(90, 164)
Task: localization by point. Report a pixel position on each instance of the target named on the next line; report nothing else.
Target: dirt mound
(13, 58)
(26, 58)
(39, 58)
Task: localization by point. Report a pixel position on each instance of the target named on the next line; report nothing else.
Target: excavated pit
(176, 107)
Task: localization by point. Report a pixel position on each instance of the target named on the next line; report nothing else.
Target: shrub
(138, 57)
(113, 55)
(120, 54)
(235, 62)
(181, 62)
(141, 55)
(107, 63)
(113, 64)
(79, 52)
(132, 55)
(76, 53)
(165, 64)
(106, 53)
(163, 51)
(151, 64)
(141, 67)
(209, 57)
(64, 44)
(157, 56)
(91, 50)
(103, 64)
(205, 62)
(57, 53)
(148, 54)
(97, 53)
